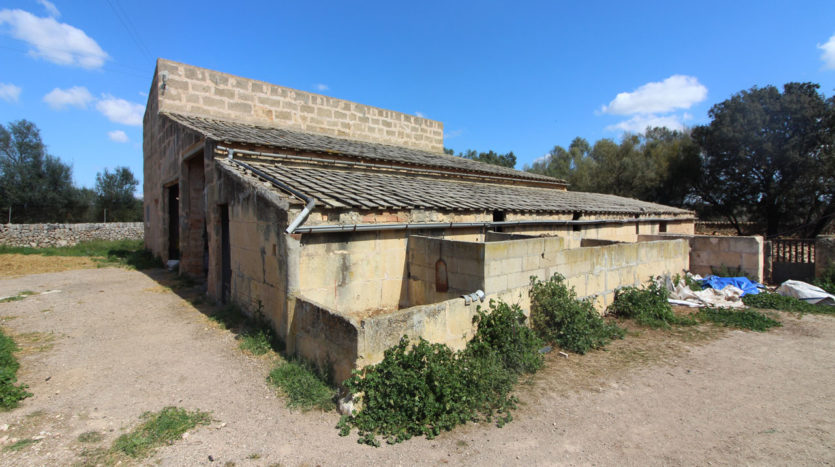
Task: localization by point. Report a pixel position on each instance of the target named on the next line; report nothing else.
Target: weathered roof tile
(356, 188)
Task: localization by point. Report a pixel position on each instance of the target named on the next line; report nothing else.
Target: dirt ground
(102, 346)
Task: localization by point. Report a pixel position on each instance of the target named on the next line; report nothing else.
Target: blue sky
(520, 76)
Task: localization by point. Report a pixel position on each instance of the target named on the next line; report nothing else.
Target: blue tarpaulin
(747, 285)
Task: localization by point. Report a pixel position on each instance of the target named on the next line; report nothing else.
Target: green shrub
(775, 301)
(502, 330)
(558, 316)
(742, 319)
(165, 426)
(10, 393)
(305, 388)
(421, 389)
(688, 281)
(647, 306)
(827, 279)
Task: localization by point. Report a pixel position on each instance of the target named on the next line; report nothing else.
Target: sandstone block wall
(596, 271)
(198, 91)
(463, 263)
(500, 266)
(51, 235)
(706, 252)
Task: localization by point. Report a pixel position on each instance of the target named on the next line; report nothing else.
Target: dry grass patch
(16, 265)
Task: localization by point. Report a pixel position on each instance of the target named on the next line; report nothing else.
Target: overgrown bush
(775, 301)
(558, 316)
(742, 319)
(647, 306)
(421, 389)
(10, 393)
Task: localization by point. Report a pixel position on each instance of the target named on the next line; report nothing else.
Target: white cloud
(453, 134)
(420, 114)
(76, 96)
(53, 41)
(9, 92)
(321, 87)
(118, 136)
(828, 54)
(542, 158)
(50, 8)
(120, 110)
(675, 92)
(639, 123)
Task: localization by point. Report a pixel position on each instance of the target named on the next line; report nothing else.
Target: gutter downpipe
(310, 201)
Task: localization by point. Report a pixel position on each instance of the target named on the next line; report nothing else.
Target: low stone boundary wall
(707, 251)
(50, 235)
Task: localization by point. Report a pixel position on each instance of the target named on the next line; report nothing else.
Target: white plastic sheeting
(729, 297)
(806, 292)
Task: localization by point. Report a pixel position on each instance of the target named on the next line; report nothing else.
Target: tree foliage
(114, 192)
(489, 157)
(658, 165)
(769, 157)
(38, 187)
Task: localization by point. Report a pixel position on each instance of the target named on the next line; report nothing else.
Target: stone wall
(594, 270)
(435, 263)
(198, 91)
(500, 266)
(707, 252)
(824, 254)
(46, 235)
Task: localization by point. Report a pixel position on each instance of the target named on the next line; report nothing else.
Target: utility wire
(134, 35)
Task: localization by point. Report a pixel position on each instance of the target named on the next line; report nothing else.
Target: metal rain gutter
(310, 201)
(459, 225)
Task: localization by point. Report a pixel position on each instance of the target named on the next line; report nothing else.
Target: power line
(128, 25)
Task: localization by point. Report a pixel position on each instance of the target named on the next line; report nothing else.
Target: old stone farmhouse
(347, 226)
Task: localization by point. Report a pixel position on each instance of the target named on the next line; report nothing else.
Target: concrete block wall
(464, 262)
(449, 322)
(198, 91)
(323, 337)
(593, 271)
(499, 266)
(824, 254)
(354, 272)
(706, 252)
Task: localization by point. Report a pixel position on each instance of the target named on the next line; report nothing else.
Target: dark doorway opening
(225, 255)
(174, 221)
(498, 216)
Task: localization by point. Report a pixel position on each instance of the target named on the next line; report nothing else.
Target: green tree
(769, 157)
(35, 185)
(114, 193)
(658, 165)
(489, 157)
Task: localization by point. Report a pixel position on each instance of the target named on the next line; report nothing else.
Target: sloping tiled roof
(234, 132)
(386, 190)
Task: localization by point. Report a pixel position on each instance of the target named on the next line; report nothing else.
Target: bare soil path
(109, 344)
